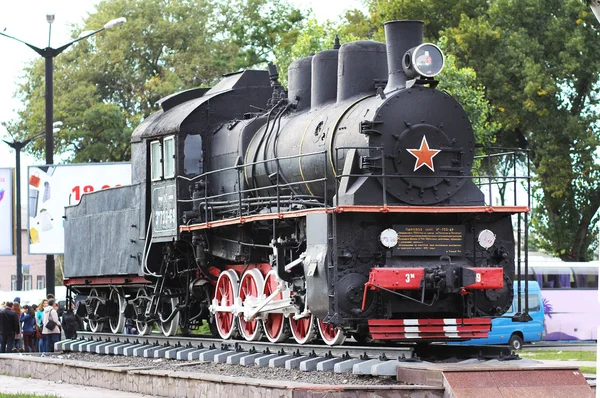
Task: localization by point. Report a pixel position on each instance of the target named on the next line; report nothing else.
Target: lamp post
(48, 54)
(17, 146)
(595, 4)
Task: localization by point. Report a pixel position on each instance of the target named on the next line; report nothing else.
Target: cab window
(192, 152)
(169, 157)
(534, 303)
(156, 166)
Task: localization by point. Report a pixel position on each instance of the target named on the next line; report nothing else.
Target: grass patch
(588, 369)
(559, 355)
(24, 395)
(204, 329)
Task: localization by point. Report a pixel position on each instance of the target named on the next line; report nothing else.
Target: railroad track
(361, 360)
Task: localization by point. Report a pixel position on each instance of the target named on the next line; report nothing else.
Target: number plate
(164, 210)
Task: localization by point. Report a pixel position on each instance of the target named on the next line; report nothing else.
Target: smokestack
(400, 36)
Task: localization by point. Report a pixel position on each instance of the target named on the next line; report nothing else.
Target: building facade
(34, 269)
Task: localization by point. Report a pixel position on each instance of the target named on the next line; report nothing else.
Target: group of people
(35, 328)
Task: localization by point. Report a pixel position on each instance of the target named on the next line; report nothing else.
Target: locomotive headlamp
(389, 238)
(424, 60)
(486, 239)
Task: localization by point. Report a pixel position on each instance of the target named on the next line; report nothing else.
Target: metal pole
(50, 271)
(17, 147)
(49, 111)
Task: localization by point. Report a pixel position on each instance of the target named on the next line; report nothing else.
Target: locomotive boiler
(342, 206)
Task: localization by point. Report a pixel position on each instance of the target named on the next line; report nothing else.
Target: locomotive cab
(176, 138)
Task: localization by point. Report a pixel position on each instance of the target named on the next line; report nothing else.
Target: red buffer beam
(410, 279)
(426, 329)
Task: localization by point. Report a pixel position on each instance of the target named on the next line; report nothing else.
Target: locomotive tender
(344, 206)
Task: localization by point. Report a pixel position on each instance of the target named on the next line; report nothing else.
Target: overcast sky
(26, 20)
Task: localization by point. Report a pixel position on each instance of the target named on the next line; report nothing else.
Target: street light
(17, 146)
(49, 53)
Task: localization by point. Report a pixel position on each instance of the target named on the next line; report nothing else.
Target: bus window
(586, 277)
(554, 277)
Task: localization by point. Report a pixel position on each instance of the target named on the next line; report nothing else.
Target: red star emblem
(424, 155)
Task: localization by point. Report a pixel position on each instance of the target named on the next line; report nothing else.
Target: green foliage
(276, 25)
(588, 369)
(544, 79)
(462, 83)
(538, 63)
(105, 85)
(566, 355)
(437, 15)
(313, 38)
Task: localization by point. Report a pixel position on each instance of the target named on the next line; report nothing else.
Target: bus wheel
(515, 342)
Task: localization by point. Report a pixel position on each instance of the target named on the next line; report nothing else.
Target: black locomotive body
(342, 206)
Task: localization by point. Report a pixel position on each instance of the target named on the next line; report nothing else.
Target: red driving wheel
(331, 335)
(274, 323)
(251, 286)
(225, 294)
(303, 329)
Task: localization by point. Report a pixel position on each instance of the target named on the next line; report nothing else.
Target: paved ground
(562, 345)
(10, 384)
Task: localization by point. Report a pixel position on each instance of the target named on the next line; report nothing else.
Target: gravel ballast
(264, 373)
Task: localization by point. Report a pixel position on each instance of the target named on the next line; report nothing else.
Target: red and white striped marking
(439, 329)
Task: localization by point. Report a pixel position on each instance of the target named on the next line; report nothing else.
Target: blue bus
(505, 331)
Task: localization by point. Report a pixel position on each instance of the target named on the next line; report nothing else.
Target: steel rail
(353, 351)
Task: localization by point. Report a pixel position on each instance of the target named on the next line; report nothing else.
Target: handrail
(249, 164)
(281, 194)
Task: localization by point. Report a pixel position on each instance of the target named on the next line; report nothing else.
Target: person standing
(37, 333)
(71, 322)
(19, 335)
(38, 318)
(28, 321)
(51, 329)
(9, 327)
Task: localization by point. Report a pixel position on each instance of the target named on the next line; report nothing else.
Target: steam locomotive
(342, 206)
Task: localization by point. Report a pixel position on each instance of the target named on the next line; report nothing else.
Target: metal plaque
(429, 240)
(164, 204)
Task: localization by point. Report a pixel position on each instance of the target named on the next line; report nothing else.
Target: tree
(106, 85)
(276, 25)
(539, 62)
